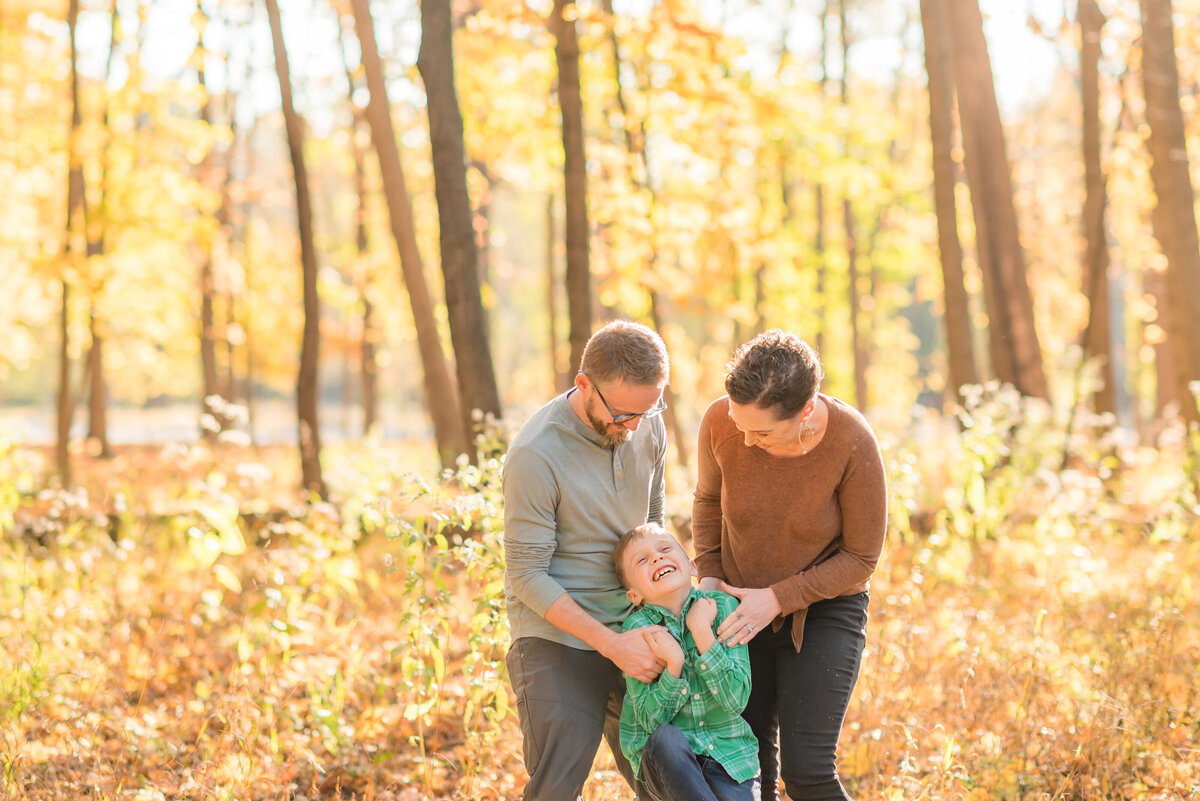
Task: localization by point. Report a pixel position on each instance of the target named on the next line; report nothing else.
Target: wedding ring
(749, 627)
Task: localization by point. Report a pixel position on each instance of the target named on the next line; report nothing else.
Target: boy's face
(657, 570)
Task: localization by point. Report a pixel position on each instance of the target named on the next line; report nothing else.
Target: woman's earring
(807, 435)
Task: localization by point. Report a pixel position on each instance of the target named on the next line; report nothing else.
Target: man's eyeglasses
(625, 417)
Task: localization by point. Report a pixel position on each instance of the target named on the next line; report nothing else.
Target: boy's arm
(725, 670)
(655, 702)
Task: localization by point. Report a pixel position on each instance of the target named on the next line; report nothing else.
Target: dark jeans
(798, 700)
(567, 699)
(673, 772)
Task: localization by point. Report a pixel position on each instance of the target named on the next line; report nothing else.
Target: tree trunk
(65, 405)
(1097, 335)
(858, 341)
(1175, 212)
(822, 270)
(97, 243)
(570, 100)
(561, 381)
(97, 390)
(460, 252)
(210, 405)
(960, 353)
(307, 380)
(442, 394)
(368, 368)
(1016, 354)
(639, 177)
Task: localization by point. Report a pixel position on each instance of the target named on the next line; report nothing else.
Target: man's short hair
(625, 351)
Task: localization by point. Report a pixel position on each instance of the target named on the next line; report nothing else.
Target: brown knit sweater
(809, 527)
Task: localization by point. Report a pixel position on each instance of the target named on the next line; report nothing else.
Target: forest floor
(185, 629)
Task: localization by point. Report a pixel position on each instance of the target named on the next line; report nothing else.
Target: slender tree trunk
(960, 353)
(819, 253)
(442, 394)
(76, 201)
(62, 447)
(97, 390)
(1016, 353)
(209, 407)
(638, 165)
(1097, 335)
(570, 99)
(368, 368)
(1175, 213)
(97, 244)
(857, 338)
(561, 377)
(460, 253)
(224, 219)
(307, 381)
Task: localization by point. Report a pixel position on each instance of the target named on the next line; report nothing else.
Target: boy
(683, 732)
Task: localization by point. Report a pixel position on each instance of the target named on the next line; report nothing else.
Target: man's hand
(665, 647)
(630, 651)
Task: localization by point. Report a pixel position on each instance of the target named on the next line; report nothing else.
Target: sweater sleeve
(862, 498)
(725, 671)
(530, 531)
(706, 503)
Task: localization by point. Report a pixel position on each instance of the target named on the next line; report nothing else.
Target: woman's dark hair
(776, 370)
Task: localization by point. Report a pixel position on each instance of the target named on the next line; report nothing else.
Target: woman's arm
(706, 505)
(862, 499)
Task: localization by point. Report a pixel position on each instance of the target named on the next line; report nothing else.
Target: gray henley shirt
(568, 498)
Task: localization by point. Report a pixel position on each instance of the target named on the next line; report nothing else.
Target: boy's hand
(666, 648)
(630, 652)
(701, 616)
(700, 620)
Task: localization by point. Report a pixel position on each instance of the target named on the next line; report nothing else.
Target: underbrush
(185, 629)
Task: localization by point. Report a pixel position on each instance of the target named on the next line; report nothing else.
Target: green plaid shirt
(705, 702)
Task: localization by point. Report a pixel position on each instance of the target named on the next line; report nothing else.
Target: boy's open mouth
(662, 571)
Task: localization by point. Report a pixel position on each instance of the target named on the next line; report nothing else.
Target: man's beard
(613, 434)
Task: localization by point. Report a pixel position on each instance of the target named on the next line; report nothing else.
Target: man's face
(657, 570)
(619, 398)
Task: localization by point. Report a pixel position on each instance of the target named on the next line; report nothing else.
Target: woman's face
(762, 429)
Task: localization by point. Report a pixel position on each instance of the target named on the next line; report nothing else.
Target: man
(584, 469)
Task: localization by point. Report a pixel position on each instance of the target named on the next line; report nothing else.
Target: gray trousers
(567, 699)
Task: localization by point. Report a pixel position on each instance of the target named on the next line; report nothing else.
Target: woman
(789, 516)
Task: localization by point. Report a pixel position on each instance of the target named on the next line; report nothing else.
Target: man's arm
(627, 650)
(530, 538)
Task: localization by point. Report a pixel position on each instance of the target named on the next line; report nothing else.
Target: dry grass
(1057, 661)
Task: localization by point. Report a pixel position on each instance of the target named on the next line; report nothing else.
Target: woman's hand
(757, 609)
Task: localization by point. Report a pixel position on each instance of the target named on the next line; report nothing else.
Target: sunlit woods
(733, 183)
(941, 200)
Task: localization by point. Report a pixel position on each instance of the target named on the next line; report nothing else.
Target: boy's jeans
(672, 772)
